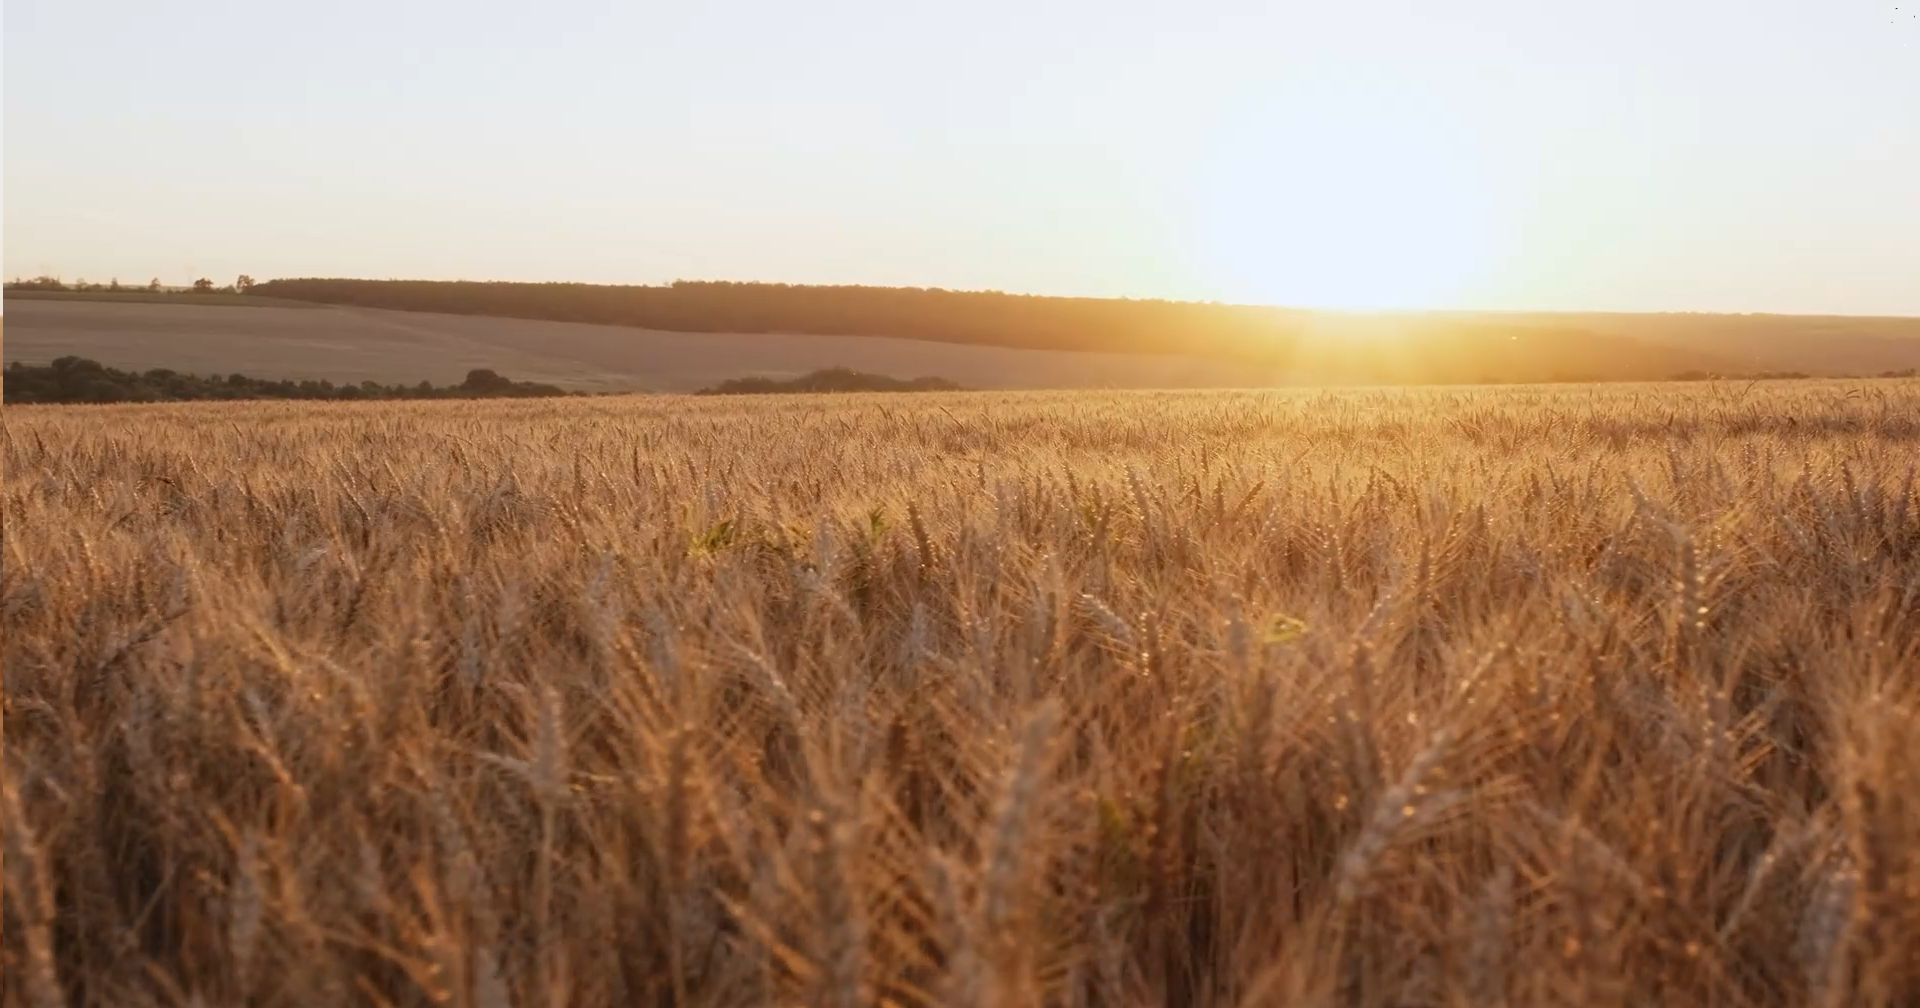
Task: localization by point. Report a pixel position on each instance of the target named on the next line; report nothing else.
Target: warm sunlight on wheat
(1599, 696)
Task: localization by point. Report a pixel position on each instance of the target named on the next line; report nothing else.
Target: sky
(1679, 155)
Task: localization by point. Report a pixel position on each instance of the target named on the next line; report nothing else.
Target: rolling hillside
(1457, 346)
(352, 345)
(985, 341)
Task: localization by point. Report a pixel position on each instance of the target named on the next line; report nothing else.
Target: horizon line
(1294, 308)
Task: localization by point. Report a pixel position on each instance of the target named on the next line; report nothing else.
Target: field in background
(1321, 348)
(1597, 696)
(361, 344)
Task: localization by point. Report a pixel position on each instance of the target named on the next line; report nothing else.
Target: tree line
(241, 284)
(79, 380)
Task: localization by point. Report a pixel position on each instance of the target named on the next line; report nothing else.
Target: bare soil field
(356, 344)
(1595, 696)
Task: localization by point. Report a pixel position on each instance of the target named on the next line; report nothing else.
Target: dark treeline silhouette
(52, 284)
(78, 380)
(839, 379)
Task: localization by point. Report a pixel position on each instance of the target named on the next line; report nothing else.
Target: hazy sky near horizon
(1712, 155)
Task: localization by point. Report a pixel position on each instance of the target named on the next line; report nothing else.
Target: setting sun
(1334, 197)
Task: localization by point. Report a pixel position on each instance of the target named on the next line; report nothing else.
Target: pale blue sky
(1733, 155)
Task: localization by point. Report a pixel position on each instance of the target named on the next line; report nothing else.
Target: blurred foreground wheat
(1594, 696)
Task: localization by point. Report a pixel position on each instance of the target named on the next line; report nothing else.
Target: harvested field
(357, 344)
(1584, 696)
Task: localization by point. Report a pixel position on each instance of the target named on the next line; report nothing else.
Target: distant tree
(114, 285)
(154, 285)
(483, 379)
(243, 284)
(202, 286)
(839, 379)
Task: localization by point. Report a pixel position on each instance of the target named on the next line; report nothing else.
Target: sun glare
(1343, 201)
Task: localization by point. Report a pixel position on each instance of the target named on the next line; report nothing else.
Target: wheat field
(1596, 695)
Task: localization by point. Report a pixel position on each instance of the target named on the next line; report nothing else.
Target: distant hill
(350, 345)
(1817, 344)
(1304, 345)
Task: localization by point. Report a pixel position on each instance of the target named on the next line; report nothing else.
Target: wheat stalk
(32, 899)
